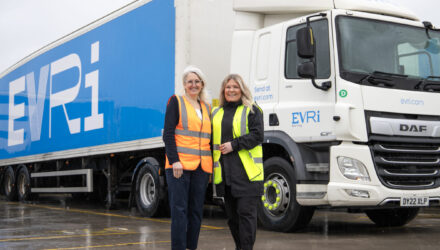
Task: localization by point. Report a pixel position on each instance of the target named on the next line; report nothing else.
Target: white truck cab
(365, 134)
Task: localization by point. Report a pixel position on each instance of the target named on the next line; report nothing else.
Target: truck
(349, 92)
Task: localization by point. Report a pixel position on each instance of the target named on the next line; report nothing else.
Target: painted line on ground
(64, 236)
(114, 245)
(52, 237)
(429, 215)
(106, 214)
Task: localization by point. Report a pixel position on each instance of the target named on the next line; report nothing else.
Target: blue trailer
(86, 112)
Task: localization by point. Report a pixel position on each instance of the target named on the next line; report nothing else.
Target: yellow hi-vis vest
(252, 159)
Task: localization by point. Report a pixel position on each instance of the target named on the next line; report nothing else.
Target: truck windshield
(372, 52)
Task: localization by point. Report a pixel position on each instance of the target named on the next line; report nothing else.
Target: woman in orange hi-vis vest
(187, 137)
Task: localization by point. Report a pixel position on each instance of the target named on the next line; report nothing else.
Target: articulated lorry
(349, 90)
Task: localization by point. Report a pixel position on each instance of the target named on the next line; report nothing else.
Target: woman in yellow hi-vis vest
(187, 137)
(238, 133)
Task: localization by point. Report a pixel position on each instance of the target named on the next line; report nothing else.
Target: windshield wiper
(429, 85)
(382, 78)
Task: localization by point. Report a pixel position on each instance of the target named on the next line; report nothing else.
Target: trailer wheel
(394, 217)
(23, 184)
(150, 196)
(9, 185)
(278, 209)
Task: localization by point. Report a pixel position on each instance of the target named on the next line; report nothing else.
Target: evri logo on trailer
(36, 98)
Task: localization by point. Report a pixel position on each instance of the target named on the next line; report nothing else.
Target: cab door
(304, 111)
(264, 76)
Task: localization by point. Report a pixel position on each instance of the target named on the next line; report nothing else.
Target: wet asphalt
(59, 223)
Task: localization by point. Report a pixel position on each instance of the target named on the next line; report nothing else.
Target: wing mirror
(307, 70)
(306, 49)
(305, 43)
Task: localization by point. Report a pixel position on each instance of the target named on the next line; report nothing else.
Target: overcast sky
(27, 25)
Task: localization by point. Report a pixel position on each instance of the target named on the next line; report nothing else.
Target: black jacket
(171, 120)
(233, 172)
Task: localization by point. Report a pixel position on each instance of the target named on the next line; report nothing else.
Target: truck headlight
(353, 169)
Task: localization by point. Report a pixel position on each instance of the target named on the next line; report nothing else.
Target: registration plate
(414, 201)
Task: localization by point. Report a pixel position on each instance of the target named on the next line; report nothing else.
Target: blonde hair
(246, 95)
(203, 96)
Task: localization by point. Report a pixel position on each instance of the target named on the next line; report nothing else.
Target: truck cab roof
(305, 7)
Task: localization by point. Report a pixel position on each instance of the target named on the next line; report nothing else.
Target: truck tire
(23, 184)
(393, 217)
(278, 209)
(9, 188)
(150, 193)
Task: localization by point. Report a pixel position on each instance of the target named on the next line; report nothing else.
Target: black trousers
(242, 219)
(186, 196)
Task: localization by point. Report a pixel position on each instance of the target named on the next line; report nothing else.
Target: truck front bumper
(344, 192)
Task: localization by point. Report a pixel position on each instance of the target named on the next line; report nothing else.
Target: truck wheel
(23, 185)
(394, 217)
(150, 197)
(278, 209)
(9, 185)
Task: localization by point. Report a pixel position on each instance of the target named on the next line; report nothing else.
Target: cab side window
(320, 31)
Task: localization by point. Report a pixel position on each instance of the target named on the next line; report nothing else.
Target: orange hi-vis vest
(193, 137)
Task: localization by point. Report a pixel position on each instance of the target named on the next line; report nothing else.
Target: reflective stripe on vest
(252, 159)
(193, 136)
(191, 151)
(192, 133)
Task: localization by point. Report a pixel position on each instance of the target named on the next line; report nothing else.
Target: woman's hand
(226, 148)
(177, 169)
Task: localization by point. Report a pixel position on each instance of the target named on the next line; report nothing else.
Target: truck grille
(407, 165)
